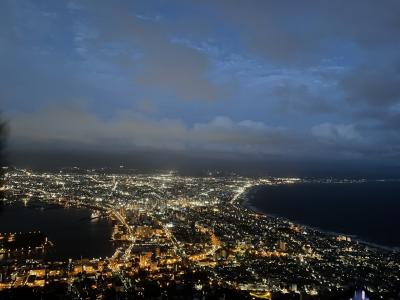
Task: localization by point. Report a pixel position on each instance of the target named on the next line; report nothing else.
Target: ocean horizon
(366, 211)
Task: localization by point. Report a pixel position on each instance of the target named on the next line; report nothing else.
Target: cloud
(303, 32)
(180, 70)
(77, 128)
(246, 136)
(160, 62)
(348, 141)
(272, 77)
(373, 85)
(299, 98)
(71, 129)
(336, 133)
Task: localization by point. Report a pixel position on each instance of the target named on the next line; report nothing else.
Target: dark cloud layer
(374, 85)
(299, 31)
(305, 82)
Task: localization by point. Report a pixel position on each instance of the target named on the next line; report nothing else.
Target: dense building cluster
(180, 236)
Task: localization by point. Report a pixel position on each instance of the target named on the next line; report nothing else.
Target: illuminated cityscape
(176, 236)
(199, 150)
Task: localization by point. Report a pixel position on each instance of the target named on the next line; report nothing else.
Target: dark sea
(74, 231)
(370, 211)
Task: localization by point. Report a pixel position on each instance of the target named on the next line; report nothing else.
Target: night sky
(267, 84)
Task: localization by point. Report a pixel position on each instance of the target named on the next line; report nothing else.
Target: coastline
(244, 201)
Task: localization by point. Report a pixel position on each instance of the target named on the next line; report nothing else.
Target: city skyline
(162, 235)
